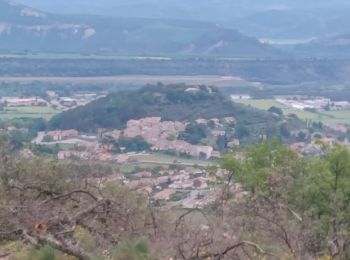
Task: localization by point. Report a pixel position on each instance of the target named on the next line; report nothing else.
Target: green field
(338, 117)
(263, 104)
(168, 159)
(61, 146)
(331, 117)
(32, 112)
(169, 31)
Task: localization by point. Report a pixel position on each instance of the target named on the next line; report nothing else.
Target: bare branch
(66, 247)
(62, 196)
(233, 247)
(180, 218)
(88, 210)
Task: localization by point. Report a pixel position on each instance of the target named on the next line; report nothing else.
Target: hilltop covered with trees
(171, 103)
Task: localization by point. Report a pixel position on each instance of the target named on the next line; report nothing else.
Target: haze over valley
(174, 129)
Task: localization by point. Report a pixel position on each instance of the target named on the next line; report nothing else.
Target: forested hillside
(171, 103)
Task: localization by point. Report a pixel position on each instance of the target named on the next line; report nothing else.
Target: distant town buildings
(61, 135)
(317, 103)
(240, 97)
(23, 102)
(52, 99)
(162, 136)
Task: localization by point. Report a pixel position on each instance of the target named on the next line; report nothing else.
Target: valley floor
(139, 80)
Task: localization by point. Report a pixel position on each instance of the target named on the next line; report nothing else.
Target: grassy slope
(168, 159)
(30, 112)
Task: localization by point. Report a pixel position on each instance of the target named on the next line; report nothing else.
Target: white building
(240, 97)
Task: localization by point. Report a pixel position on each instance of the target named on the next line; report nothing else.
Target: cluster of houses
(157, 134)
(75, 100)
(23, 102)
(161, 135)
(52, 99)
(318, 103)
(62, 135)
(189, 187)
(317, 145)
(241, 97)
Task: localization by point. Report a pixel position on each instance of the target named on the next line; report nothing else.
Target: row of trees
(125, 144)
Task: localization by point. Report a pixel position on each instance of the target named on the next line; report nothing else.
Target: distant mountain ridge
(337, 46)
(265, 19)
(25, 28)
(295, 24)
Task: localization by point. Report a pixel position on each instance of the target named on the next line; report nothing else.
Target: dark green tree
(242, 131)
(194, 133)
(275, 110)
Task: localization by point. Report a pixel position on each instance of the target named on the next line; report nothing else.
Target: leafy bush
(132, 249)
(136, 144)
(44, 253)
(47, 139)
(177, 196)
(275, 110)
